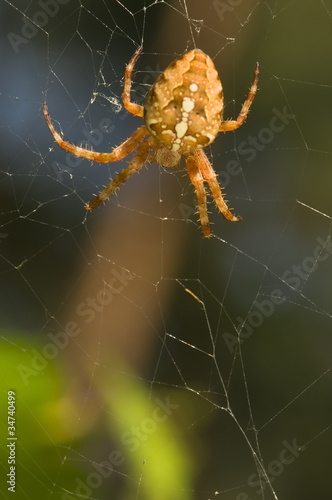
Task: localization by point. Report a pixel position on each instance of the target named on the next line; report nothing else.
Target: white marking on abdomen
(182, 127)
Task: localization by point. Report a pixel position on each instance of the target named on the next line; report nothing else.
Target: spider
(182, 115)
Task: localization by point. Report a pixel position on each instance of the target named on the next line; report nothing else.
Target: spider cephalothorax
(183, 113)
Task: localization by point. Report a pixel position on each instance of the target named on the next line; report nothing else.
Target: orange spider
(183, 114)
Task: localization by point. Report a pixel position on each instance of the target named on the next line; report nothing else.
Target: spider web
(148, 362)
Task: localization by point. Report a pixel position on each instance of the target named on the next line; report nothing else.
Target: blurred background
(146, 361)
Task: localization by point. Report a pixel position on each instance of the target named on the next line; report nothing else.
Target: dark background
(237, 407)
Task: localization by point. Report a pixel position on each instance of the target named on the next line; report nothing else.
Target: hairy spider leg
(198, 183)
(134, 166)
(117, 154)
(229, 125)
(132, 107)
(211, 178)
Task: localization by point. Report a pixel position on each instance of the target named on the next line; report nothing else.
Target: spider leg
(211, 178)
(117, 154)
(229, 125)
(198, 183)
(132, 107)
(134, 166)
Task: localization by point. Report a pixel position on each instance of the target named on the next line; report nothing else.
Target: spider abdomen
(183, 109)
